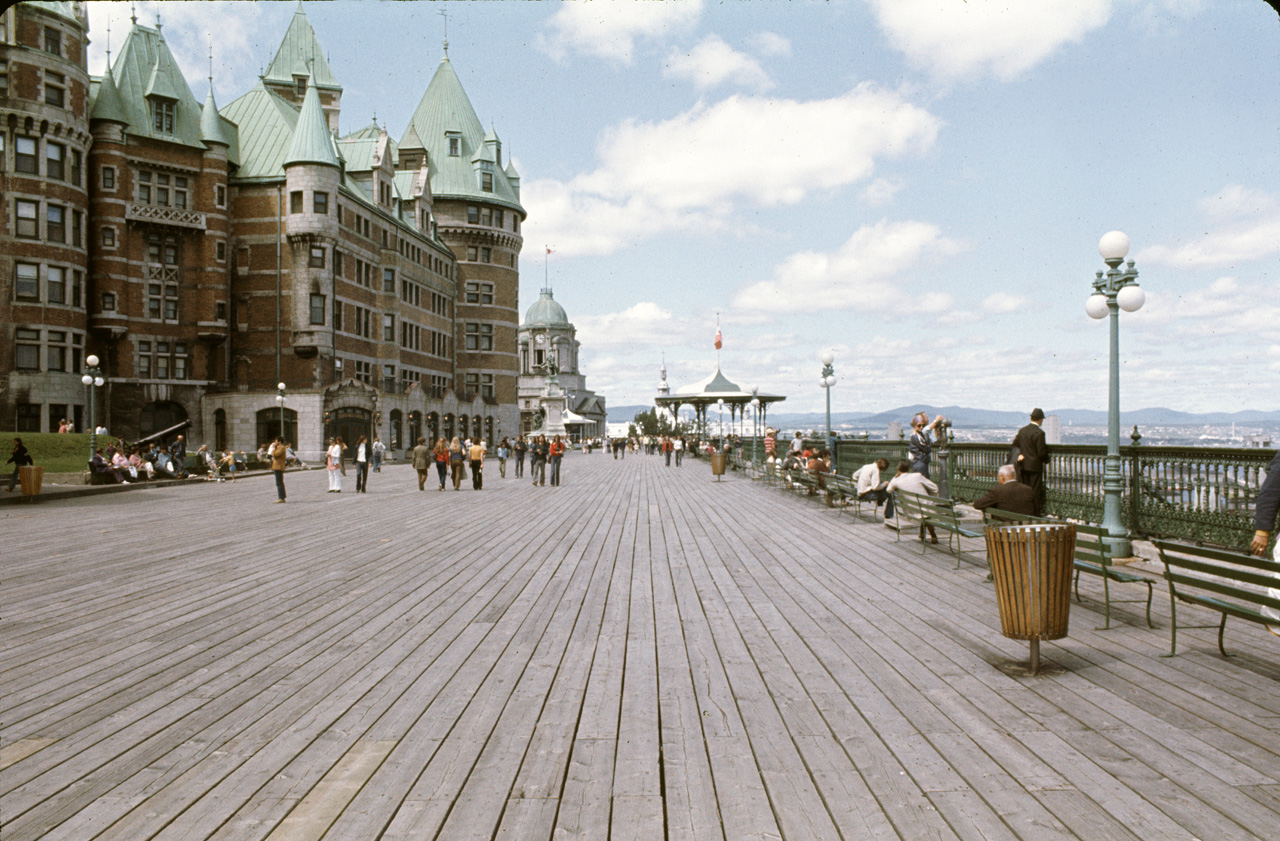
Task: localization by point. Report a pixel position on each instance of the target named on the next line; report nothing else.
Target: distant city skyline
(919, 187)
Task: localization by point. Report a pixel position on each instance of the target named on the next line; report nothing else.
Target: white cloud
(1240, 243)
(645, 324)
(1236, 200)
(770, 43)
(712, 62)
(863, 274)
(235, 30)
(696, 168)
(1003, 302)
(609, 29)
(880, 192)
(986, 37)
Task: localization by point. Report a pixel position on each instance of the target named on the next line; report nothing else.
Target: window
(24, 156)
(77, 224)
(75, 167)
(53, 158)
(52, 41)
(486, 182)
(27, 281)
(107, 176)
(317, 309)
(55, 89)
(27, 417)
(56, 285)
(108, 302)
(28, 226)
(498, 219)
(179, 362)
(144, 360)
(479, 293)
(482, 383)
(220, 251)
(144, 187)
(162, 189)
(388, 280)
(473, 215)
(486, 216)
(455, 144)
(316, 261)
(56, 351)
(108, 237)
(388, 377)
(479, 336)
(220, 195)
(388, 328)
(27, 350)
(77, 290)
(162, 301)
(295, 201)
(337, 315)
(55, 223)
(220, 311)
(162, 111)
(4, 74)
(472, 253)
(484, 254)
(180, 192)
(300, 86)
(320, 203)
(162, 360)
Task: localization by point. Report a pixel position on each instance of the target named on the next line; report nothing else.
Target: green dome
(545, 312)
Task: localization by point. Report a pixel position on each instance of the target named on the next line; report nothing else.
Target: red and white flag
(549, 251)
(719, 338)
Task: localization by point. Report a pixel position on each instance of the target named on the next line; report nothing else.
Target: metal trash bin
(1032, 567)
(719, 461)
(31, 477)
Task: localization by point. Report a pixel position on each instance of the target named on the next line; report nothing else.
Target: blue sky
(918, 185)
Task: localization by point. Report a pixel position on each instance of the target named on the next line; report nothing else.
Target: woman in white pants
(333, 464)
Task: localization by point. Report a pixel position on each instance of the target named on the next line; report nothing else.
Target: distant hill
(962, 416)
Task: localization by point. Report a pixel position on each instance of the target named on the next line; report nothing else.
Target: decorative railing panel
(164, 216)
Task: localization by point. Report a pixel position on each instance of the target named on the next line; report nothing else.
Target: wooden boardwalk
(640, 654)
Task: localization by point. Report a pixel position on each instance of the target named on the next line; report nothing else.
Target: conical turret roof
(107, 104)
(211, 129)
(312, 143)
(300, 54)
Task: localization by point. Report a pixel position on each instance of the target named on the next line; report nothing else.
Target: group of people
(454, 460)
(123, 464)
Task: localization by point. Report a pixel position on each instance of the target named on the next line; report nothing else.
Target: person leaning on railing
(1264, 523)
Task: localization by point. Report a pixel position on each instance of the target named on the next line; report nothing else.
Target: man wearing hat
(1033, 457)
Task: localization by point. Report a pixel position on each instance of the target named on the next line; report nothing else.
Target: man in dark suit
(1009, 495)
(1033, 457)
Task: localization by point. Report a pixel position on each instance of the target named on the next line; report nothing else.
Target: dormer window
(162, 111)
(455, 143)
(300, 85)
(486, 182)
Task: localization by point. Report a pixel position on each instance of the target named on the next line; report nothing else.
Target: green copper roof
(300, 54)
(312, 143)
(212, 128)
(107, 104)
(144, 66)
(444, 110)
(63, 10)
(545, 312)
(265, 124)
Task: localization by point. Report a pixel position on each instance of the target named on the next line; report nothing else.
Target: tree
(652, 422)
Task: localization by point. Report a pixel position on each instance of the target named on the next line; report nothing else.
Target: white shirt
(360, 452)
(915, 483)
(867, 477)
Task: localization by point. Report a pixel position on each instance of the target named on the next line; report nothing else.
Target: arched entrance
(415, 426)
(397, 427)
(158, 416)
(450, 428)
(433, 427)
(348, 423)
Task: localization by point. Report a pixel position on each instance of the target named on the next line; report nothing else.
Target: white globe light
(1131, 298)
(720, 401)
(830, 381)
(280, 386)
(1113, 245)
(822, 382)
(827, 357)
(755, 401)
(98, 381)
(1096, 306)
(91, 361)
(87, 380)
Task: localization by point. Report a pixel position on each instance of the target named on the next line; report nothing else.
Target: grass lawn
(56, 453)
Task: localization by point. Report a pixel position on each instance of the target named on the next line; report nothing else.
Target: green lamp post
(1113, 291)
(93, 380)
(827, 382)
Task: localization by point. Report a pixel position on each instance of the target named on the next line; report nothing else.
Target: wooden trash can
(718, 463)
(31, 477)
(1032, 567)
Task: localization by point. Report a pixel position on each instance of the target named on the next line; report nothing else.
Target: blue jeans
(555, 470)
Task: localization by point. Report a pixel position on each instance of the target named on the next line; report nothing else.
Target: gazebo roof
(713, 389)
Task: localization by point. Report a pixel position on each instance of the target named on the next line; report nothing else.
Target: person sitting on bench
(870, 487)
(99, 464)
(916, 483)
(1009, 494)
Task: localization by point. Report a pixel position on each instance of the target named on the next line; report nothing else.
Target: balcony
(164, 216)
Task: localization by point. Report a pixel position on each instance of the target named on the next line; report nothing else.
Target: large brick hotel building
(206, 254)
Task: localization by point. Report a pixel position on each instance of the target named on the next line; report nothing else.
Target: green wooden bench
(845, 488)
(933, 511)
(1092, 556)
(1232, 583)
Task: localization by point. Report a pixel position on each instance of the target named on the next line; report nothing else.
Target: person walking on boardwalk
(279, 454)
(441, 456)
(422, 463)
(520, 449)
(378, 449)
(363, 454)
(678, 446)
(538, 460)
(1264, 523)
(457, 462)
(555, 454)
(476, 455)
(1032, 457)
(503, 450)
(332, 464)
(19, 458)
(920, 445)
